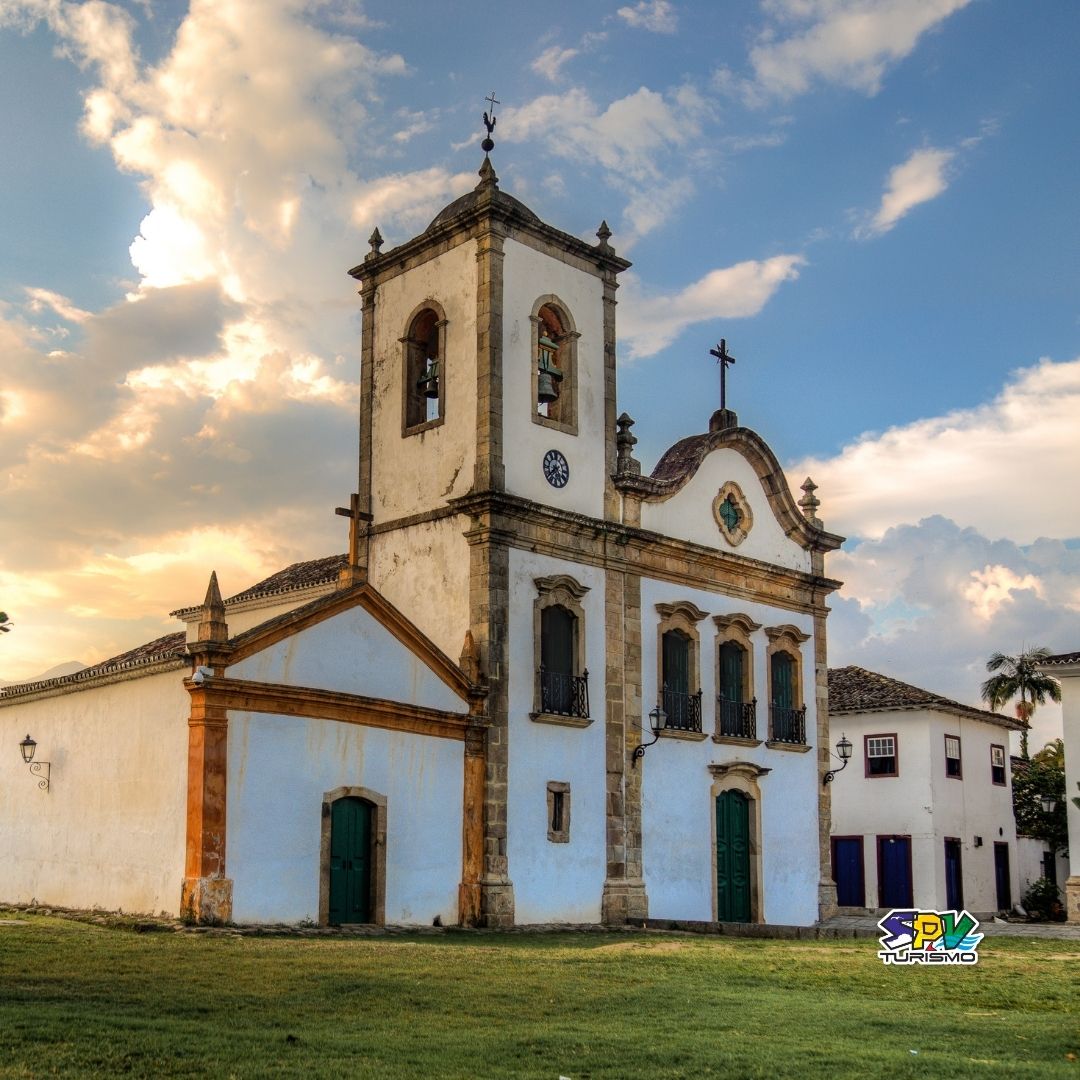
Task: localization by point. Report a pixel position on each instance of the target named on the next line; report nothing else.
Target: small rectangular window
(881, 755)
(558, 808)
(997, 765)
(952, 757)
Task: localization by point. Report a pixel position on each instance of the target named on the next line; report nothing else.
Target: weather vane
(723, 359)
(489, 122)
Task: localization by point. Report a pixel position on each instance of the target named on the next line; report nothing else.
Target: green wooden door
(350, 861)
(732, 857)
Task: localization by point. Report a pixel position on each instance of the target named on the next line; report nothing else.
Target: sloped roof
(1061, 658)
(300, 575)
(168, 647)
(856, 690)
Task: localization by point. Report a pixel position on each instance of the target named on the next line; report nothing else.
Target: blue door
(954, 878)
(847, 867)
(894, 872)
(1001, 877)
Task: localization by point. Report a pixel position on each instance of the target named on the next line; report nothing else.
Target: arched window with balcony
(562, 680)
(787, 713)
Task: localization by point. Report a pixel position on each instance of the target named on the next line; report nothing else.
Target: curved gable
(698, 473)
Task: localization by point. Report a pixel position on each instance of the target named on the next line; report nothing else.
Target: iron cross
(723, 359)
(489, 123)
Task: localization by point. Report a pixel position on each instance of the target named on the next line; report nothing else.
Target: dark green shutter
(350, 861)
(732, 857)
(676, 660)
(782, 690)
(731, 672)
(557, 640)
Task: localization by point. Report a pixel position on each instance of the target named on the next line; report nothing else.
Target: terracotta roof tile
(170, 646)
(1061, 658)
(297, 576)
(854, 689)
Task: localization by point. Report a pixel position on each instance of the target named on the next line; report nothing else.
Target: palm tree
(1020, 675)
(1053, 753)
(5, 623)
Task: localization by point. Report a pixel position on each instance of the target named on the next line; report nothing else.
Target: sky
(873, 201)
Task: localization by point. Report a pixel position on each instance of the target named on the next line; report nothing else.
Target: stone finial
(723, 419)
(625, 463)
(488, 179)
(212, 626)
(809, 503)
(604, 234)
(376, 242)
(470, 659)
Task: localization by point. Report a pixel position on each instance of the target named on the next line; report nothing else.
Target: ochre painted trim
(242, 695)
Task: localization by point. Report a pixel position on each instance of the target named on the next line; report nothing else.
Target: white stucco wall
(554, 882)
(280, 769)
(926, 804)
(678, 811)
(688, 513)
(351, 653)
(528, 275)
(423, 571)
(1029, 864)
(1069, 675)
(110, 831)
(422, 471)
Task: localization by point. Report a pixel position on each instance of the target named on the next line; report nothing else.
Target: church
(541, 687)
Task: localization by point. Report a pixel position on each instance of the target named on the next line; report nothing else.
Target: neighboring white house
(1066, 668)
(922, 815)
(308, 749)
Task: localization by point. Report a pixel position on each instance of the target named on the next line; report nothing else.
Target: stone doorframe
(740, 776)
(377, 897)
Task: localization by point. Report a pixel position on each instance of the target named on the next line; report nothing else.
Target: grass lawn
(85, 1000)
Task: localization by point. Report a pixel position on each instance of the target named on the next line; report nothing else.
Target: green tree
(5, 623)
(1020, 675)
(1042, 777)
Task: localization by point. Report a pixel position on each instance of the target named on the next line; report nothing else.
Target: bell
(548, 376)
(428, 383)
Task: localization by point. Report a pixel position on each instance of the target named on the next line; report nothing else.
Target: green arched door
(732, 857)
(350, 861)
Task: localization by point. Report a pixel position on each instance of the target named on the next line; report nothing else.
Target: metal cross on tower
(723, 359)
(489, 122)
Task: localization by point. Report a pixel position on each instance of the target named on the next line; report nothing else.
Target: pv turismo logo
(911, 936)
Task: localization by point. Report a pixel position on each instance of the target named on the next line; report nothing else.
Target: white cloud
(976, 465)
(40, 299)
(656, 15)
(929, 602)
(629, 137)
(848, 42)
(919, 179)
(649, 323)
(550, 62)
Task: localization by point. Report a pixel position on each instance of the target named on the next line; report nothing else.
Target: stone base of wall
(826, 898)
(624, 901)
(497, 905)
(206, 901)
(1072, 899)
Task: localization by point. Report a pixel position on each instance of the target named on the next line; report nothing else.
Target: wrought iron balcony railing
(737, 719)
(683, 710)
(788, 725)
(564, 695)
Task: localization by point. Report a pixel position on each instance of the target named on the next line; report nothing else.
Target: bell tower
(487, 410)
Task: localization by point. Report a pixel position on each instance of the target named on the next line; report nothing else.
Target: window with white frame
(881, 757)
(952, 757)
(997, 765)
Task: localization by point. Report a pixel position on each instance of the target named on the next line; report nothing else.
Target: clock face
(556, 470)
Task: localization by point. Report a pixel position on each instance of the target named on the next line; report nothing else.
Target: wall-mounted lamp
(658, 721)
(843, 753)
(38, 768)
(1049, 804)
